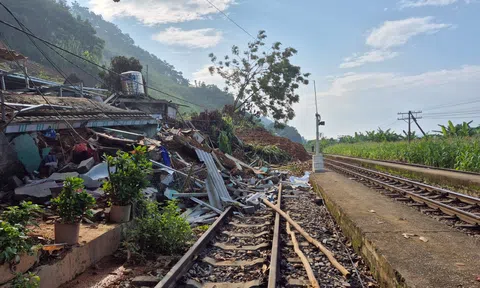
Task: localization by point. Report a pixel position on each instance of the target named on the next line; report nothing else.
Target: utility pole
(317, 162)
(409, 116)
(317, 147)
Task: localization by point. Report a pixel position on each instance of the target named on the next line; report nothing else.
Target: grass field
(454, 153)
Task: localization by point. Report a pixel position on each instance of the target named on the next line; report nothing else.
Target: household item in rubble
(120, 214)
(67, 233)
(132, 83)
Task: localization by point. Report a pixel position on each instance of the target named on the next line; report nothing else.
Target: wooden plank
(184, 264)
(274, 259)
(310, 239)
(306, 265)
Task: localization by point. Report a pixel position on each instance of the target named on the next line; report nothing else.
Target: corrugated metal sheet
(218, 183)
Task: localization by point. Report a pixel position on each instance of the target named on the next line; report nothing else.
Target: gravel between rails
(316, 220)
(204, 273)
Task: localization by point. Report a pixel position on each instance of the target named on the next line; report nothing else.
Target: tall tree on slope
(263, 82)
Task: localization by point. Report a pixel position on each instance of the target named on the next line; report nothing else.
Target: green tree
(264, 82)
(119, 65)
(459, 130)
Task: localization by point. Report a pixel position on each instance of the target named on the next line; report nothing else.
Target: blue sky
(369, 58)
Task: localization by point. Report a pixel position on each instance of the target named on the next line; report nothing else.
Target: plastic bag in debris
(165, 157)
(300, 181)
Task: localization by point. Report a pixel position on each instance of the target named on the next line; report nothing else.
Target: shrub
(130, 177)
(13, 232)
(22, 214)
(14, 242)
(159, 231)
(73, 202)
(29, 280)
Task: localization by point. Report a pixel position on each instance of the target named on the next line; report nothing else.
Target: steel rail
(448, 193)
(452, 211)
(185, 263)
(406, 164)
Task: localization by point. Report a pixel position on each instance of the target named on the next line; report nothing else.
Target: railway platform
(402, 246)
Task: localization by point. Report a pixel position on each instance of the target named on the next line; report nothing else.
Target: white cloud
(357, 82)
(199, 38)
(397, 33)
(421, 3)
(392, 34)
(151, 12)
(203, 75)
(369, 57)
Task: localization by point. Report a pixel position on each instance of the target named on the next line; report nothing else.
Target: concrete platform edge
(382, 270)
(81, 258)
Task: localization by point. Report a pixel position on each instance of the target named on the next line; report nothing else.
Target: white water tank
(132, 83)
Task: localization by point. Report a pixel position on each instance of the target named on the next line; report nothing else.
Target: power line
(42, 95)
(53, 64)
(93, 63)
(452, 104)
(231, 20)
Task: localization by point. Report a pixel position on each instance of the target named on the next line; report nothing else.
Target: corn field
(460, 153)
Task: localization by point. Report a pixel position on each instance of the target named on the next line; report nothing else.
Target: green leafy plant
(159, 231)
(22, 214)
(73, 202)
(14, 242)
(130, 177)
(29, 280)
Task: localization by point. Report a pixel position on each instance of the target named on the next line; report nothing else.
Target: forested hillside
(82, 32)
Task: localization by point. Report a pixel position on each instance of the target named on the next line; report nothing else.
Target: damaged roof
(79, 112)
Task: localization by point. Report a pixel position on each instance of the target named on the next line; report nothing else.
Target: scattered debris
(423, 239)
(408, 235)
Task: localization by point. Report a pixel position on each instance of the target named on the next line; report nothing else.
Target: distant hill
(84, 33)
(162, 75)
(287, 132)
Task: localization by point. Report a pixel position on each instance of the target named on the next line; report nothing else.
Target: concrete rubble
(187, 167)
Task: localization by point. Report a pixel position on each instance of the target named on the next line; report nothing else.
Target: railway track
(408, 164)
(451, 205)
(236, 251)
(256, 251)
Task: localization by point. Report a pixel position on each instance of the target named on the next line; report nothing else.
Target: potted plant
(126, 182)
(71, 205)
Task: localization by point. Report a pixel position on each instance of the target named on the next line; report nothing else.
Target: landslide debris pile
(262, 137)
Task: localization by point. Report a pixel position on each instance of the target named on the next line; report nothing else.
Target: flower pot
(67, 233)
(120, 214)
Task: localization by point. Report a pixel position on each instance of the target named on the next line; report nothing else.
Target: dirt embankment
(260, 136)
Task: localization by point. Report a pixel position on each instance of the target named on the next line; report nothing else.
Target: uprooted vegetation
(245, 138)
